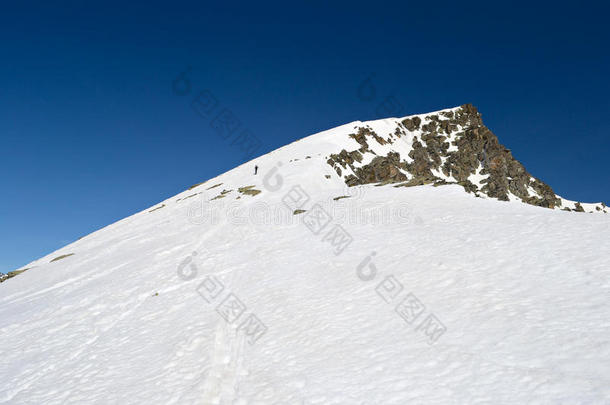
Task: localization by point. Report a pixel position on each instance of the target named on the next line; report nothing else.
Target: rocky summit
(447, 147)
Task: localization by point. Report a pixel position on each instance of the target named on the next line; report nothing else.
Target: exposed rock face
(451, 147)
(11, 274)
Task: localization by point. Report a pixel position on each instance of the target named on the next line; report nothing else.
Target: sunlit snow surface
(522, 292)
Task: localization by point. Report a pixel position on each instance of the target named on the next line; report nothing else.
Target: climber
(255, 170)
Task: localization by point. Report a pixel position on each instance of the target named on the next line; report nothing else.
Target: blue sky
(91, 131)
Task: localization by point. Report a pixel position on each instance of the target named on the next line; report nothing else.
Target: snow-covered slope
(288, 287)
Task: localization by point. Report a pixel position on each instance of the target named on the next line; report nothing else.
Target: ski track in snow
(522, 290)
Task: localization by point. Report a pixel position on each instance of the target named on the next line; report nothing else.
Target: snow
(587, 207)
(477, 178)
(521, 293)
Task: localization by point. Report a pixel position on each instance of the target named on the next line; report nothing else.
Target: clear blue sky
(91, 132)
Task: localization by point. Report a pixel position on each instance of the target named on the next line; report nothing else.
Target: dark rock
(11, 274)
(61, 257)
(158, 208)
(477, 148)
(412, 123)
(248, 190)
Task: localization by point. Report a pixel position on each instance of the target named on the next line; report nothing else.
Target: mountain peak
(450, 146)
(445, 147)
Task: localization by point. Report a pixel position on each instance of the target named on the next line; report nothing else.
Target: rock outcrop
(11, 274)
(449, 147)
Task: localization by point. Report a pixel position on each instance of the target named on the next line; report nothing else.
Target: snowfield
(388, 296)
